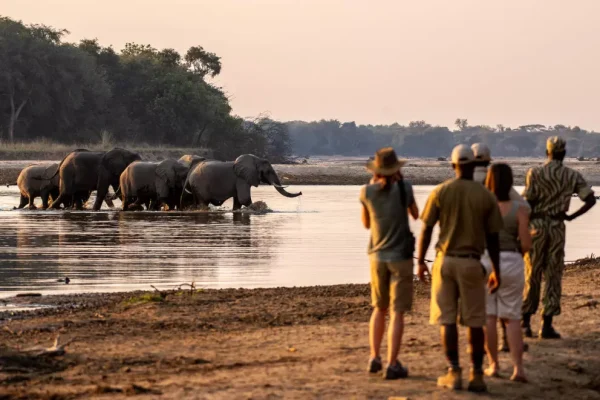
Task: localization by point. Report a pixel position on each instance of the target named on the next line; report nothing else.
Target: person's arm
(589, 202)
(413, 210)
(524, 235)
(585, 193)
(430, 217)
(492, 241)
(366, 218)
(493, 225)
(530, 192)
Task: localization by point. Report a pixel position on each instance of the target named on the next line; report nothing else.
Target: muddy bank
(269, 343)
(352, 171)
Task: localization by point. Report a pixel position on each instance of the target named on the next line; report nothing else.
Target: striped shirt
(549, 188)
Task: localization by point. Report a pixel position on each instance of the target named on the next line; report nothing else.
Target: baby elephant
(31, 183)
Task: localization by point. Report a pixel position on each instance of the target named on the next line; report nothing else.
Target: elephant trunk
(277, 185)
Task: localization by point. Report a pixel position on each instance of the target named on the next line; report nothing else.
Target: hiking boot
(476, 382)
(395, 371)
(547, 331)
(452, 380)
(374, 365)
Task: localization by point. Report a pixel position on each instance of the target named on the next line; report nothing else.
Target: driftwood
(56, 350)
(590, 304)
(164, 293)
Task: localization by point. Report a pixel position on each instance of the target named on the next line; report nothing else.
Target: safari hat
(462, 154)
(556, 144)
(385, 163)
(481, 152)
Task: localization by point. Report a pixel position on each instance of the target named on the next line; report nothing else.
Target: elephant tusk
(187, 191)
(279, 186)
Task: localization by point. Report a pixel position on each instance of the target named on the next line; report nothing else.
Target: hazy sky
(511, 62)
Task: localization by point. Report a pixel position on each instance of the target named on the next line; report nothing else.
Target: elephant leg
(31, 205)
(23, 202)
(57, 202)
(101, 192)
(109, 202)
(77, 203)
(45, 195)
(126, 203)
(242, 194)
(236, 203)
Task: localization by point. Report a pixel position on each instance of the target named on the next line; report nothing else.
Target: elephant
(190, 159)
(32, 184)
(82, 172)
(214, 182)
(155, 183)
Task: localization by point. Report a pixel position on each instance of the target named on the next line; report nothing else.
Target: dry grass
(44, 149)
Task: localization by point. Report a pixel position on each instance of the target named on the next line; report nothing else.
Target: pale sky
(512, 62)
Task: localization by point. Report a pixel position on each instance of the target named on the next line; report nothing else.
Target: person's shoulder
(369, 189)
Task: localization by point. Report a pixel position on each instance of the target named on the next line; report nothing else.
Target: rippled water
(314, 239)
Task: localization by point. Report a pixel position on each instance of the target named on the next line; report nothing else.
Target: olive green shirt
(388, 220)
(549, 188)
(466, 212)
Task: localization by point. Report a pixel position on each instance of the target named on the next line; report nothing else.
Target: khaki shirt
(550, 187)
(466, 212)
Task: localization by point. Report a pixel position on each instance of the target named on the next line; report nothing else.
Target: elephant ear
(246, 168)
(116, 160)
(167, 171)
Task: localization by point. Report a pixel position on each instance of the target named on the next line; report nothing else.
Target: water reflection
(314, 239)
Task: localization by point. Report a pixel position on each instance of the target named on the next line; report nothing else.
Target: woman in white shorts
(506, 303)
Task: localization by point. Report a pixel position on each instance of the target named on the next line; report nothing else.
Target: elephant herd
(190, 182)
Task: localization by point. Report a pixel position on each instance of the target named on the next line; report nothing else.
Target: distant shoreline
(346, 171)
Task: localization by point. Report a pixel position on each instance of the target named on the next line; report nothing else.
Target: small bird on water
(66, 280)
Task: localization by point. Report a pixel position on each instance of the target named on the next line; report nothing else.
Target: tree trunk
(14, 116)
(199, 136)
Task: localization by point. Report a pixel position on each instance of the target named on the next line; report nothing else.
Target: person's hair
(499, 181)
(387, 179)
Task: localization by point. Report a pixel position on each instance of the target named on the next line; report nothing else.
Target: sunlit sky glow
(510, 62)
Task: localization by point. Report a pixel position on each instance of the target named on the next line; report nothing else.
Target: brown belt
(470, 256)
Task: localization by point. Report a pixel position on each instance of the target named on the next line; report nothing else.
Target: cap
(481, 152)
(462, 154)
(385, 162)
(555, 144)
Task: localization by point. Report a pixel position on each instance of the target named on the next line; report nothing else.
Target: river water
(315, 239)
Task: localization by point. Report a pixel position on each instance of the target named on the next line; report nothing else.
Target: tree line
(83, 92)
(420, 139)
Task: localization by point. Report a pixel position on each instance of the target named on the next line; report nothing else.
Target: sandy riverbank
(343, 171)
(268, 343)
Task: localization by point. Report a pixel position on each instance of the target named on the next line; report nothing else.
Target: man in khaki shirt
(469, 220)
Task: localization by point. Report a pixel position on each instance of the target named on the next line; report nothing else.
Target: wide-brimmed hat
(462, 154)
(385, 162)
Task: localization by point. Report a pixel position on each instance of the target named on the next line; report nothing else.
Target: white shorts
(506, 303)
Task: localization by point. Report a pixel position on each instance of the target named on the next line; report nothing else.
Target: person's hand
(493, 282)
(423, 271)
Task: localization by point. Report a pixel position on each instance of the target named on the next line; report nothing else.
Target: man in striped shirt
(548, 190)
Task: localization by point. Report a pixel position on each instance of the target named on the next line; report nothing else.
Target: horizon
(432, 61)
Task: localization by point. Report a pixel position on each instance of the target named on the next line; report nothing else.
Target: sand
(351, 171)
(293, 343)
